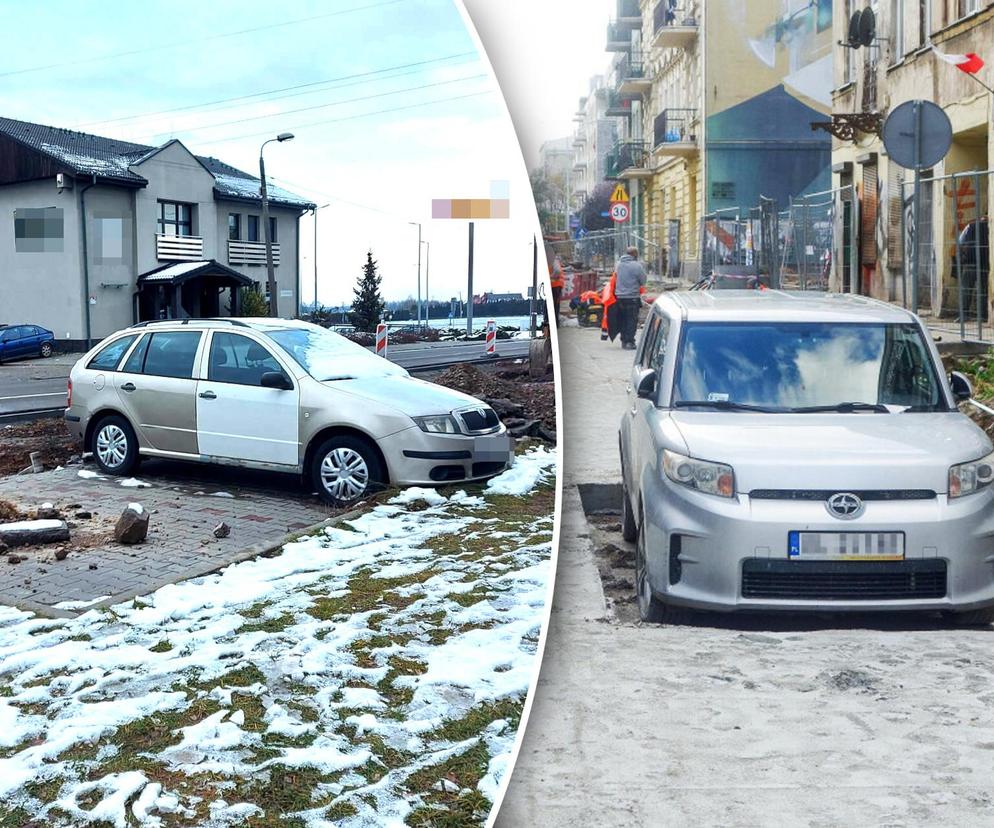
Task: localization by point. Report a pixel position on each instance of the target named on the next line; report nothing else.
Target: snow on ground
(367, 675)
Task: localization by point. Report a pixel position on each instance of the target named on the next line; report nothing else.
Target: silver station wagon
(801, 451)
(279, 395)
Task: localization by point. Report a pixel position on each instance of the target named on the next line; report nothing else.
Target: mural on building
(776, 58)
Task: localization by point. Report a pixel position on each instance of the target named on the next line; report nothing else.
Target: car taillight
(69, 397)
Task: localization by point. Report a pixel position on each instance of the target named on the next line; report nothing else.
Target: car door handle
(208, 395)
(129, 387)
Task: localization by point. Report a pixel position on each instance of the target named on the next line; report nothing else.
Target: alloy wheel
(344, 474)
(46, 350)
(112, 445)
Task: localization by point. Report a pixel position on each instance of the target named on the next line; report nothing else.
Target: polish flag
(969, 63)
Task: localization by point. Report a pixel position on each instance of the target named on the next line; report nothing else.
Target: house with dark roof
(96, 234)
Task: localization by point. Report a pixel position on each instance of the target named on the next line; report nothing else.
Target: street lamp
(418, 223)
(314, 212)
(270, 270)
(427, 245)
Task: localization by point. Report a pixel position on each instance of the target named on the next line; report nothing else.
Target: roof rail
(236, 322)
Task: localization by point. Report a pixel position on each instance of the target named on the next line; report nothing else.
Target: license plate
(493, 447)
(846, 546)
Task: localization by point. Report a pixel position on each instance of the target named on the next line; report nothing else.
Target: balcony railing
(617, 105)
(672, 28)
(619, 37)
(629, 9)
(673, 132)
(633, 159)
(250, 253)
(633, 75)
(178, 248)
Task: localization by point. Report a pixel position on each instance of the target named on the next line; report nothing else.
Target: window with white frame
(897, 31)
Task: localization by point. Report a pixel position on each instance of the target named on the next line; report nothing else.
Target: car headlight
(710, 478)
(442, 424)
(967, 478)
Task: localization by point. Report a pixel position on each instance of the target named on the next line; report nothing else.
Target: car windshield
(327, 356)
(806, 367)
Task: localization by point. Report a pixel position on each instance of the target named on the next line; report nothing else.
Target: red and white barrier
(381, 340)
(491, 338)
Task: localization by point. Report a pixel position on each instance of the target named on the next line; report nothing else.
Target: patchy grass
(385, 626)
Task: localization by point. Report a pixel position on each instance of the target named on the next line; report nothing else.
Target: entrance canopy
(184, 290)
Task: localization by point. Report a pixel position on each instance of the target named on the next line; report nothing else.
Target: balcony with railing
(633, 73)
(672, 26)
(178, 248)
(579, 140)
(618, 106)
(673, 131)
(633, 159)
(250, 253)
(619, 30)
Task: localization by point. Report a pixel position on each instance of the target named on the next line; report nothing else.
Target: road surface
(37, 384)
(754, 721)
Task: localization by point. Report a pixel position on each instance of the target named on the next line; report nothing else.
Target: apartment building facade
(715, 100)
(901, 65)
(97, 234)
(593, 139)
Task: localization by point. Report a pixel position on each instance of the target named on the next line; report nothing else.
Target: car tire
(346, 469)
(46, 349)
(629, 528)
(974, 618)
(651, 609)
(114, 446)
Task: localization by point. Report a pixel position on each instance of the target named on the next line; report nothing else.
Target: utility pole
(533, 305)
(264, 193)
(469, 289)
(427, 292)
(418, 223)
(316, 255)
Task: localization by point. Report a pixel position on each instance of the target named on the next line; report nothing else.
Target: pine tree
(368, 305)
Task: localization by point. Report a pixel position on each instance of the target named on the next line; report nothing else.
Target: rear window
(109, 356)
(171, 354)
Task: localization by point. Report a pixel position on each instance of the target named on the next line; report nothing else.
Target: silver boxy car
(279, 395)
(802, 451)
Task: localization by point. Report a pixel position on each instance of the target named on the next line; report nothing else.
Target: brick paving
(184, 507)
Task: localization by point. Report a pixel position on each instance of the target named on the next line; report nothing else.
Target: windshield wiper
(843, 408)
(724, 405)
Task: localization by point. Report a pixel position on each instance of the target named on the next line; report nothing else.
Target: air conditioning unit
(63, 181)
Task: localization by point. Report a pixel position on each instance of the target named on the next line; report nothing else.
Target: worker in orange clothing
(609, 330)
(557, 283)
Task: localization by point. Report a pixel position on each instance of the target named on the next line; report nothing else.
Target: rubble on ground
(49, 437)
(527, 408)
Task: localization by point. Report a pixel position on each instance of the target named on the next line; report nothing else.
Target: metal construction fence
(945, 262)
(734, 243)
(600, 249)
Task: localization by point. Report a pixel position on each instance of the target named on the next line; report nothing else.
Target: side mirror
(962, 388)
(647, 385)
(276, 379)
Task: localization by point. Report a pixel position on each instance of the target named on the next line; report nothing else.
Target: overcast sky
(544, 53)
(92, 68)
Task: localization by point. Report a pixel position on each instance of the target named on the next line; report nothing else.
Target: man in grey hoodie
(628, 291)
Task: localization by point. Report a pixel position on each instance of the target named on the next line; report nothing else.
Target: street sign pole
(917, 207)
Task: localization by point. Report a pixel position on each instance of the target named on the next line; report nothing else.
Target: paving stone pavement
(186, 502)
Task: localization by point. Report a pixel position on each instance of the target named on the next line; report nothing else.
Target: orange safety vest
(556, 281)
(607, 298)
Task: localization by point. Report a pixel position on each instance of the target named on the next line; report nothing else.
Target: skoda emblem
(845, 506)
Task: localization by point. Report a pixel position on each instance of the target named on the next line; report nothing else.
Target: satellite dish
(867, 27)
(854, 29)
(917, 135)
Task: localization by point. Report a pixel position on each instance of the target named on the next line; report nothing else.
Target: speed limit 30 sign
(620, 212)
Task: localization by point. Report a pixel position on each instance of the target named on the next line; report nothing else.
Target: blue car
(19, 341)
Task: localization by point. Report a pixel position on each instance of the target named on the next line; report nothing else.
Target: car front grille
(478, 420)
(844, 580)
(825, 494)
(485, 469)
